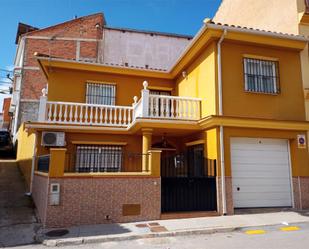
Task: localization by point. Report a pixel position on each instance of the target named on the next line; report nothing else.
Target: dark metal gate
(188, 181)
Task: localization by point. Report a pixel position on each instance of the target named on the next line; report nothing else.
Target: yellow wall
(299, 157)
(134, 145)
(70, 85)
(25, 152)
(287, 105)
(201, 80)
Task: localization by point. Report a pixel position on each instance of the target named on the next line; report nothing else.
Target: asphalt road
(271, 238)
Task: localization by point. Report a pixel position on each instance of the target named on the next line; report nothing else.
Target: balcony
(148, 106)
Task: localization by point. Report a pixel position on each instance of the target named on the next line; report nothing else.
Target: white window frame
(259, 68)
(96, 93)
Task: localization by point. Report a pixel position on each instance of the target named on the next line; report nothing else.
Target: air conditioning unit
(52, 138)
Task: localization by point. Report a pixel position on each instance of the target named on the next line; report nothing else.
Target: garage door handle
(238, 188)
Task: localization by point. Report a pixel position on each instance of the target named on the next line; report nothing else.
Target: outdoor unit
(51, 138)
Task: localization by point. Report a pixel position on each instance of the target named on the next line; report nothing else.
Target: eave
(208, 33)
(47, 63)
(258, 123)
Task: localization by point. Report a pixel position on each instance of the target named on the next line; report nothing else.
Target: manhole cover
(57, 233)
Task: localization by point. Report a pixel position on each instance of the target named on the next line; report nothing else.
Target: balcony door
(156, 108)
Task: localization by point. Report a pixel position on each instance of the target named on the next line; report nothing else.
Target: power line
(5, 70)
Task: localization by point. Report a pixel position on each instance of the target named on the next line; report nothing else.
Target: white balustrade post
(135, 98)
(42, 106)
(145, 100)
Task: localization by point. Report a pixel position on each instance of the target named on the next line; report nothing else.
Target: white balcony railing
(171, 107)
(149, 106)
(79, 113)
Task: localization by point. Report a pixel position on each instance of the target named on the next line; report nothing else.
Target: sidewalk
(164, 228)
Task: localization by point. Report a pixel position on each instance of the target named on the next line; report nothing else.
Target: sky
(173, 16)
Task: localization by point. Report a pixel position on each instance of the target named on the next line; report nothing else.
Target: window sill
(263, 93)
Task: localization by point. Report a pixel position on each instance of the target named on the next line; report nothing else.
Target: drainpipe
(223, 197)
(23, 45)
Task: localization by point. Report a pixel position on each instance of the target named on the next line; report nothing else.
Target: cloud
(9, 68)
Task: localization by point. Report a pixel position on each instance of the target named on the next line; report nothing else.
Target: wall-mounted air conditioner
(52, 138)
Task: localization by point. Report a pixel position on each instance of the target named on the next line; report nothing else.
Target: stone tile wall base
(301, 192)
(228, 193)
(85, 201)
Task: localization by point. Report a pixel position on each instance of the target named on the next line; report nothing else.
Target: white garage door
(260, 172)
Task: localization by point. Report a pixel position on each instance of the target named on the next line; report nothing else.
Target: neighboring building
(286, 16)
(84, 39)
(224, 127)
(6, 118)
(1, 119)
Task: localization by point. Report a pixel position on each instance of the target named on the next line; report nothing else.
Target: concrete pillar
(147, 137)
(57, 162)
(42, 106)
(155, 162)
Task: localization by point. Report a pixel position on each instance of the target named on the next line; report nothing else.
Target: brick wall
(33, 83)
(64, 44)
(89, 200)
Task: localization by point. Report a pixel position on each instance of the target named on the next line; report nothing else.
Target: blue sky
(174, 16)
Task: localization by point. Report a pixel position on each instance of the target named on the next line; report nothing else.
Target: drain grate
(57, 233)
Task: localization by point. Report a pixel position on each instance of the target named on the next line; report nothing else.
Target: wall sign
(301, 141)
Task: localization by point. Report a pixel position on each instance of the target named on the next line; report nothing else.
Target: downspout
(222, 164)
(20, 87)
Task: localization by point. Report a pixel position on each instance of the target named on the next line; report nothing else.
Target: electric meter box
(54, 197)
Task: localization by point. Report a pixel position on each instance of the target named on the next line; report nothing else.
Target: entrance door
(188, 181)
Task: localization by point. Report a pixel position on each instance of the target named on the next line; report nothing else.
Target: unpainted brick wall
(34, 81)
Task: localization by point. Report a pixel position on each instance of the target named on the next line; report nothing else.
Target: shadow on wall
(25, 167)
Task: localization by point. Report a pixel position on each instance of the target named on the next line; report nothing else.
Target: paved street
(18, 223)
(272, 238)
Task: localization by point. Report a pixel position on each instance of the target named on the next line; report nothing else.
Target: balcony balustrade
(148, 106)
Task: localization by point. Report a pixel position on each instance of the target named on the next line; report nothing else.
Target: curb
(110, 238)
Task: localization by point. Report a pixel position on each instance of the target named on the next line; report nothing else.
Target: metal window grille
(92, 158)
(101, 94)
(261, 76)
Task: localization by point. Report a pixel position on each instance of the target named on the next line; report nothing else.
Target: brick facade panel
(33, 83)
(84, 27)
(88, 49)
(56, 48)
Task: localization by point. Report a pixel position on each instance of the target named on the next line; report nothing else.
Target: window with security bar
(261, 76)
(93, 158)
(100, 94)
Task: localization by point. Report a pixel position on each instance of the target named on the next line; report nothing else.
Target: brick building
(85, 39)
(6, 119)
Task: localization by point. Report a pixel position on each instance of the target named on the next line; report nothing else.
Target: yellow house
(224, 128)
(287, 16)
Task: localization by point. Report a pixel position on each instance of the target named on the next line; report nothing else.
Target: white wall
(140, 49)
(272, 15)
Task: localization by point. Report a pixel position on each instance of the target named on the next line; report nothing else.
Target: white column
(42, 107)
(145, 100)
